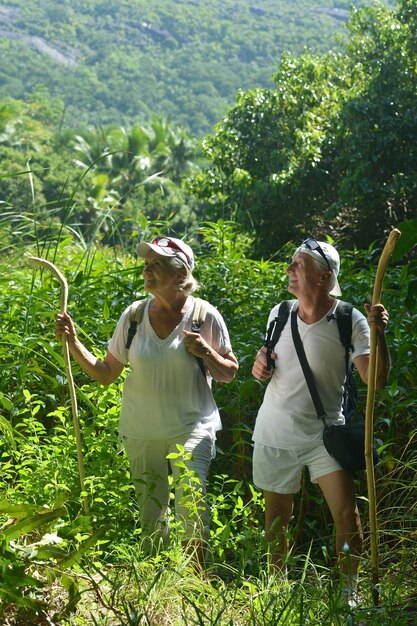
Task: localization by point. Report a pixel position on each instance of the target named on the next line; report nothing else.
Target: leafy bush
(100, 555)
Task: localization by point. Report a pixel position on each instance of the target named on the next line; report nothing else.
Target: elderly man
(287, 434)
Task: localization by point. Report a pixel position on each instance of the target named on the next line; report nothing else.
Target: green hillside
(124, 60)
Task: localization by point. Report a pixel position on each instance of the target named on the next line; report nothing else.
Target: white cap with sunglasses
(327, 256)
(168, 246)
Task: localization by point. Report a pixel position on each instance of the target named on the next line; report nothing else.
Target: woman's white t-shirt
(165, 394)
(287, 418)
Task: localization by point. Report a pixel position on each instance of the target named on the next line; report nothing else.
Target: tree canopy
(332, 148)
(329, 151)
(101, 182)
(121, 61)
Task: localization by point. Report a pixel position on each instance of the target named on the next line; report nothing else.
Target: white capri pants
(149, 468)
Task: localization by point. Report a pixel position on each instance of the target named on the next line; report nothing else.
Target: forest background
(321, 142)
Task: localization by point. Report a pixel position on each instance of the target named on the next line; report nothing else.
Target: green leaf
(70, 560)
(29, 524)
(8, 432)
(17, 511)
(106, 311)
(408, 239)
(6, 403)
(143, 221)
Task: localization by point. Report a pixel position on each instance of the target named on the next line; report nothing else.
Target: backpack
(198, 318)
(343, 317)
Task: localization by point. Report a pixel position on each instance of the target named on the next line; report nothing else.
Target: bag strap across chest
(343, 318)
(308, 374)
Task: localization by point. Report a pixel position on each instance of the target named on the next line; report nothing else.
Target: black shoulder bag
(344, 442)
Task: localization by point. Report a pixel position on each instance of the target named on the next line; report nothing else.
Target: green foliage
(13, 577)
(34, 536)
(330, 150)
(100, 559)
(408, 239)
(119, 62)
(374, 150)
(99, 183)
(266, 152)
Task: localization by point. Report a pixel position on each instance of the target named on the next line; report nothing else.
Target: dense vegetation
(75, 568)
(116, 61)
(332, 147)
(328, 149)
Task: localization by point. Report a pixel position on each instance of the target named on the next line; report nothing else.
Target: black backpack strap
(275, 329)
(135, 316)
(344, 323)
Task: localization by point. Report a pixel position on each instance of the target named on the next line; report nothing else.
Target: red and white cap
(168, 246)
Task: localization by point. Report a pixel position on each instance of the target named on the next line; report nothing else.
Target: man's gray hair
(320, 265)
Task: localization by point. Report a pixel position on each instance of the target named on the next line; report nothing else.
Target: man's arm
(260, 368)
(377, 317)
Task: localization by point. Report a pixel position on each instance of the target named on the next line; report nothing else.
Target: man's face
(303, 274)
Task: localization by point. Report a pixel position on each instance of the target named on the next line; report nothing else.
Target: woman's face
(158, 274)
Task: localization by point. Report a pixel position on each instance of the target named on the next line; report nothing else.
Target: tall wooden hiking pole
(369, 416)
(64, 299)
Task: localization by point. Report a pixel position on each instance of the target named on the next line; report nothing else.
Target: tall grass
(59, 565)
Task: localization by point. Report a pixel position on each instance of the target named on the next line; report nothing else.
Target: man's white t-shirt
(287, 417)
(165, 394)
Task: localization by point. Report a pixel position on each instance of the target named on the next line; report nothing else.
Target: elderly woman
(168, 408)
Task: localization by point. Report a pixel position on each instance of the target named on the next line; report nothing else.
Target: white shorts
(279, 470)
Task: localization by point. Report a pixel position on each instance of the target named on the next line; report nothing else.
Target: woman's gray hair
(188, 284)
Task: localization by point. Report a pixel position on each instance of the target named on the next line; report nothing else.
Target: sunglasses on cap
(166, 242)
(312, 244)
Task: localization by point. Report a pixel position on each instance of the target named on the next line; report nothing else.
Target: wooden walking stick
(64, 299)
(369, 415)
